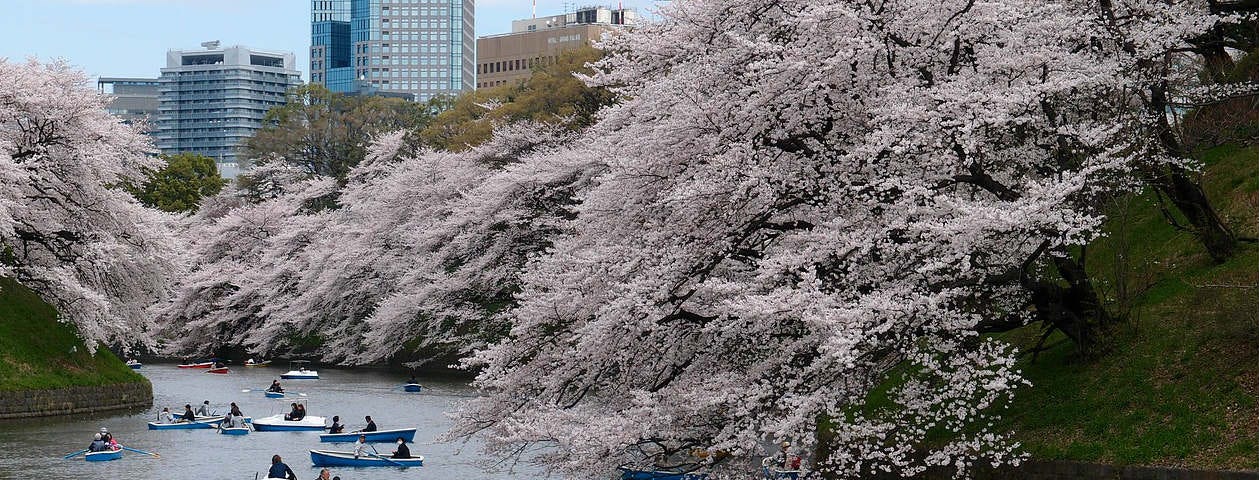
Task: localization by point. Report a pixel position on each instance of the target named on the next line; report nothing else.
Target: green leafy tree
(181, 184)
(327, 133)
(552, 95)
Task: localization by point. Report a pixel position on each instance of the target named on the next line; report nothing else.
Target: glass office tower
(421, 48)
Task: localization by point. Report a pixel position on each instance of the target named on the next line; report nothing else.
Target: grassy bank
(38, 352)
(1181, 386)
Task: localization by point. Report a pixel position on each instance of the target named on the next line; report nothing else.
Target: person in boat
(235, 411)
(188, 416)
(336, 427)
(165, 416)
(371, 425)
(275, 387)
(204, 409)
(361, 446)
(97, 444)
(292, 415)
(402, 451)
(105, 436)
(279, 469)
(301, 411)
(412, 380)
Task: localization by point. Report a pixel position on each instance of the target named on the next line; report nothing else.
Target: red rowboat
(220, 370)
(197, 365)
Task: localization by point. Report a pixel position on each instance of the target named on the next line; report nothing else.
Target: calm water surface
(32, 449)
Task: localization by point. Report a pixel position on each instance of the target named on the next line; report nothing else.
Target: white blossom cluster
(66, 230)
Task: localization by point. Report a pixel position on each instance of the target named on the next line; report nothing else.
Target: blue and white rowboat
(274, 394)
(103, 456)
(302, 374)
(277, 423)
(378, 436)
(412, 387)
(630, 474)
(328, 458)
(185, 425)
(234, 431)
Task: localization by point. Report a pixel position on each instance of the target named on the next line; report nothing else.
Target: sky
(129, 38)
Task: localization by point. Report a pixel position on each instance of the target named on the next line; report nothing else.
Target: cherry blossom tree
(811, 211)
(412, 263)
(66, 230)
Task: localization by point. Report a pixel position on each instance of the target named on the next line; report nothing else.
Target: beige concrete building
(510, 57)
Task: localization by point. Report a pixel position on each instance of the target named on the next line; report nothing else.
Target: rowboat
(412, 387)
(274, 394)
(298, 371)
(328, 458)
(103, 456)
(197, 365)
(630, 474)
(277, 423)
(134, 364)
(252, 363)
(220, 370)
(185, 425)
(407, 434)
(234, 431)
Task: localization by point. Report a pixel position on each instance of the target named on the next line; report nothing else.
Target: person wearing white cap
(97, 445)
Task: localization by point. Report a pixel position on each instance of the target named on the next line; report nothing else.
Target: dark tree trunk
(1186, 194)
(1074, 309)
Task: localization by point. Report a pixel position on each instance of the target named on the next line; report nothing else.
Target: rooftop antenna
(535, 8)
(210, 45)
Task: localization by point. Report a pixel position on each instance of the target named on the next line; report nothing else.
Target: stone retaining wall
(73, 400)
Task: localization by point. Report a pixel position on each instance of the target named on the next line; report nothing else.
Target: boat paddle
(129, 449)
(68, 455)
(396, 464)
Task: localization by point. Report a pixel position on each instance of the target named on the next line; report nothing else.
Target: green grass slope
(38, 352)
(1181, 387)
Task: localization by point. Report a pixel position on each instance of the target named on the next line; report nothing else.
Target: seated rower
(188, 416)
(275, 387)
(402, 451)
(336, 427)
(97, 444)
(371, 425)
(204, 409)
(165, 416)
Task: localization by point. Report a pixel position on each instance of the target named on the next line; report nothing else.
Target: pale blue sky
(129, 38)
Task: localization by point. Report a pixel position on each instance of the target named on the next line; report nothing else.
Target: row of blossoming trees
(792, 205)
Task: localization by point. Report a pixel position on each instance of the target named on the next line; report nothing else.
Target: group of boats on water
(234, 423)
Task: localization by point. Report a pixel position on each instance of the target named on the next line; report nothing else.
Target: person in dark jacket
(188, 416)
(275, 387)
(301, 412)
(97, 444)
(293, 414)
(402, 451)
(336, 427)
(371, 426)
(280, 470)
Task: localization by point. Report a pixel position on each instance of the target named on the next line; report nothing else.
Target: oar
(396, 464)
(129, 449)
(68, 455)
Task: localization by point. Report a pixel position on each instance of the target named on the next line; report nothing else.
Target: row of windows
(235, 71)
(491, 84)
(513, 65)
(414, 11)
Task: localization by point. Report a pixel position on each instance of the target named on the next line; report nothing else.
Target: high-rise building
(510, 57)
(135, 99)
(212, 100)
(422, 48)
